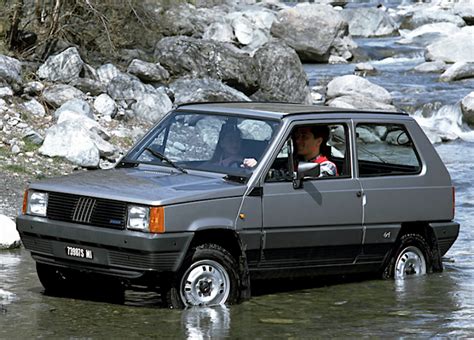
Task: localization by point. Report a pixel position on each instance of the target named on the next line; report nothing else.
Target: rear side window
(385, 149)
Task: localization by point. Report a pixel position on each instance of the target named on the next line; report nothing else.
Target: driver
(228, 150)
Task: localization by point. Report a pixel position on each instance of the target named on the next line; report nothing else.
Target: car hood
(143, 186)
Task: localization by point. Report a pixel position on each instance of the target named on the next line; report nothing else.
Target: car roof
(272, 109)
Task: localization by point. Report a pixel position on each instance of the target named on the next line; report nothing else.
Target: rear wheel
(209, 276)
(412, 257)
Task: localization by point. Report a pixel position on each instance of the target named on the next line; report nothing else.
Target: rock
(74, 107)
(33, 88)
(9, 237)
(33, 107)
(205, 89)
(126, 87)
(219, 31)
(10, 71)
(148, 72)
(452, 49)
(369, 22)
(62, 67)
(252, 27)
(183, 56)
(151, 107)
(359, 102)
(6, 91)
(87, 85)
(105, 106)
(467, 108)
(353, 85)
(107, 72)
(420, 15)
(465, 10)
(282, 77)
(314, 31)
(57, 95)
(182, 19)
(365, 69)
(33, 137)
(75, 142)
(15, 149)
(431, 66)
(459, 70)
(427, 34)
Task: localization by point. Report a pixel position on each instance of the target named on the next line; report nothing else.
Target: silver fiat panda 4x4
(218, 194)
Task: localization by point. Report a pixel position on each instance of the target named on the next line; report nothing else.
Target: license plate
(79, 252)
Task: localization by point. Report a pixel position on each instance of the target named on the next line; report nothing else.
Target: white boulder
(62, 67)
(455, 48)
(9, 237)
(467, 108)
(457, 71)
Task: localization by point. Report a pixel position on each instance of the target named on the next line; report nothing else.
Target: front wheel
(209, 277)
(412, 257)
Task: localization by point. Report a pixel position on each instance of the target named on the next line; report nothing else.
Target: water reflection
(206, 323)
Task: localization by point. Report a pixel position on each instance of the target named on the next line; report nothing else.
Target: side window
(385, 149)
(319, 143)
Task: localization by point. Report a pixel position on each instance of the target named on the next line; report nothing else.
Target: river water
(437, 305)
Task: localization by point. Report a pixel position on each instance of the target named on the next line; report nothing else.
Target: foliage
(39, 28)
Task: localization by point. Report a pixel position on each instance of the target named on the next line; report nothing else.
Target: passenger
(228, 150)
(311, 146)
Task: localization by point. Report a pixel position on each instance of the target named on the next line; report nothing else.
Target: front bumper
(120, 253)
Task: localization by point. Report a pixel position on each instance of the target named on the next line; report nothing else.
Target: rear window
(385, 149)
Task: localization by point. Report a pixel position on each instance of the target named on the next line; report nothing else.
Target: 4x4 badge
(387, 234)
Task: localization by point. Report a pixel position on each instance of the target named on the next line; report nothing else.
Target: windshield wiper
(166, 159)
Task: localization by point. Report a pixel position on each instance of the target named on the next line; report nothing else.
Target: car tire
(209, 276)
(411, 257)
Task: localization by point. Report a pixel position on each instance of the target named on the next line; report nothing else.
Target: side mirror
(305, 169)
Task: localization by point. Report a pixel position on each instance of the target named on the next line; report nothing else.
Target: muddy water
(435, 305)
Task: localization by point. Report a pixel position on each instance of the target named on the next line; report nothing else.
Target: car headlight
(148, 219)
(37, 203)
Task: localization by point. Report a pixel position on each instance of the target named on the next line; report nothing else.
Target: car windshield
(212, 142)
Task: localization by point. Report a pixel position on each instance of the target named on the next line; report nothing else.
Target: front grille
(87, 210)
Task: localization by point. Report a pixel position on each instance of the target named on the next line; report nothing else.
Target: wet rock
(282, 77)
(427, 34)
(87, 85)
(369, 22)
(422, 15)
(57, 95)
(148, 72)
(10, 71)
(357, 101)
(33, 137)
(62, 67)
(105, 106)
(150, 107)
(365, 69)
(74, 107)
(34, 108)
(204, 89)
(455, 48)
(431, 66)
(9, 237)
(205, 58)
(313, 31)
(467, 108)
(107, 72)
(459, 70)
(33, 88)
(350, 85)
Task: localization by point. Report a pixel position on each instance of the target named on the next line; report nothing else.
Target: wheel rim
(205, 283)
(410, 262)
